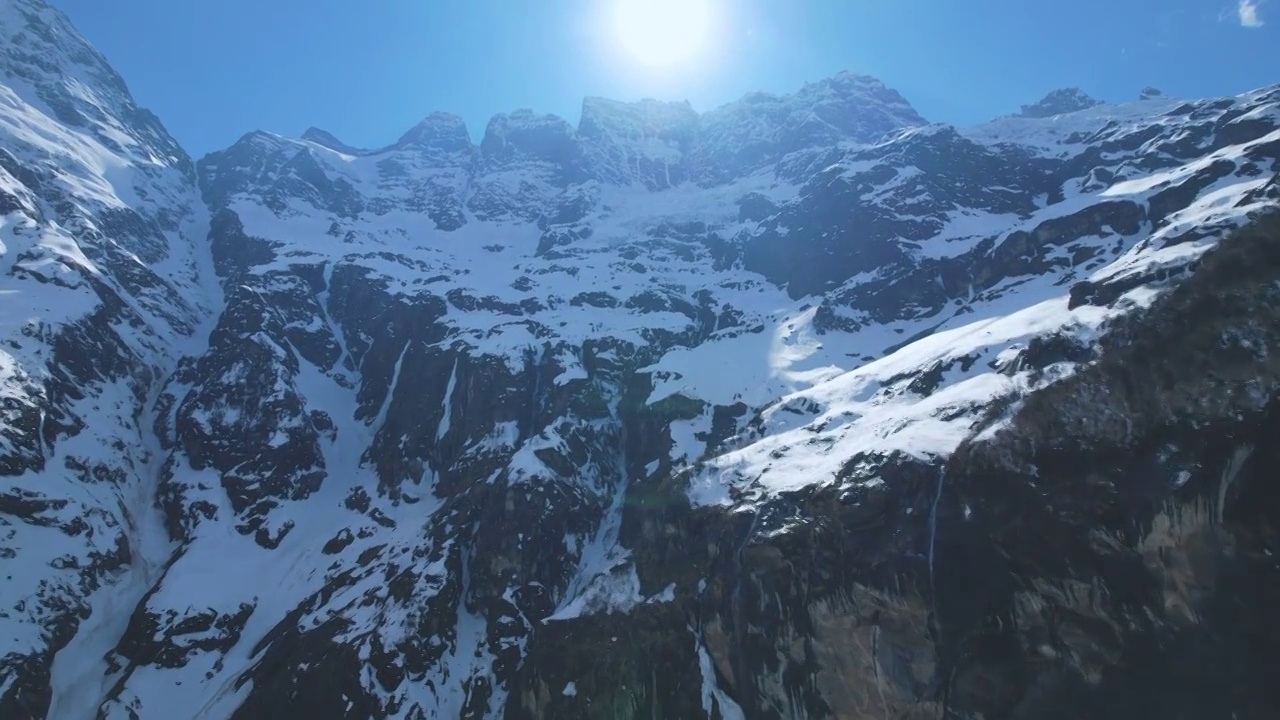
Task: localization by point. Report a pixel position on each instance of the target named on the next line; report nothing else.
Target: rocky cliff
(803, 407)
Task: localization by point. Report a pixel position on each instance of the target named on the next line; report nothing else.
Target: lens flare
(662, 33)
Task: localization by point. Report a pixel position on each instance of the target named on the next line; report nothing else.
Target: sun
(662, 34)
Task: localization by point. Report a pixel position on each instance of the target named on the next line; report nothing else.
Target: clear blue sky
(367, 71)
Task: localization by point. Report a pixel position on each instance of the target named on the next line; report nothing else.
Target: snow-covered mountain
(802, 407)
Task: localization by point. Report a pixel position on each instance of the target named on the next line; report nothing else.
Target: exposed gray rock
(1065, 100)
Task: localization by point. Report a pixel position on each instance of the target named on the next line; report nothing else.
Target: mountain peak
(438, 131)
(849, 81)
(525, 135)
(762, 127)
(327, 139)
(847, 86)
(1059, 102)
(76, 84)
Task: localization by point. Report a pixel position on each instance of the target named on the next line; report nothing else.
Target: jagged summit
(660, 144)
(1059, 102)
(327, 139)
(442, 131)
(69, 78)
(660, 112)
(847, 87)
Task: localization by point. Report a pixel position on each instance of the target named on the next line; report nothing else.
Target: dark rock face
(229, 424)
(1149, 468)
(852, 226)
(798, 408)
(167, 640)
(287, 172)
(441, 132)
(527, 136)
(762, 129)
(327, 139)
(1065, 100)
(648, 143)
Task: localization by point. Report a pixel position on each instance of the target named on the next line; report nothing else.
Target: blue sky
(215, 69)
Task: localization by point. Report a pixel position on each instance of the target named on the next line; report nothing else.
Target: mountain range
(803, 407)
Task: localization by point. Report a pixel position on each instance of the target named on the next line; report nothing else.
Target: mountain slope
(1150, 490)
(106, 283)
(739, 414)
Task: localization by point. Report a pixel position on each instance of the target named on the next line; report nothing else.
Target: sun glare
(662, 34)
